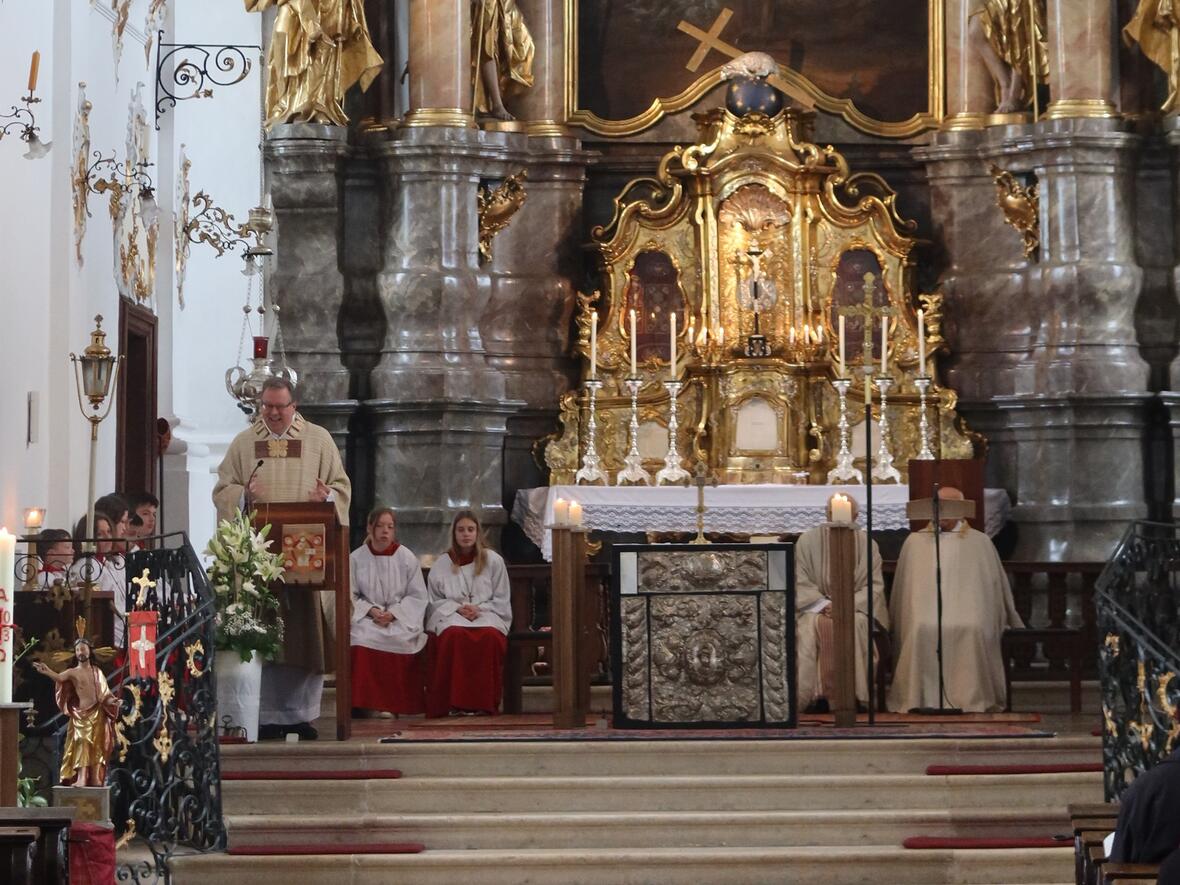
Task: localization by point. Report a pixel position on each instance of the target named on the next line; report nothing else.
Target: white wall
(47, 302)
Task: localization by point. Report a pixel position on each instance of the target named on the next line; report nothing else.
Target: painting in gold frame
(879, 66)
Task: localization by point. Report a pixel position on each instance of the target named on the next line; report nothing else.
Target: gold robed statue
(501, 54)
(1010, 36)
(83, 696)
(1155, 29)
(319, 49)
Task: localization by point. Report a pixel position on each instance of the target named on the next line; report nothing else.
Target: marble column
(970, 91)
(1082, 79)
(543, 106)
(441, 88)
(302, 166)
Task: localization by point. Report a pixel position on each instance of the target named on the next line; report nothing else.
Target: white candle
(841, 345)
(791, 337)
(921, 343)
(672, 347)
(561, 512)
(806, 333)
(593, 344)
(575, 513)
(884, 345)
(633, 372)
(7, 602)
(841, 509)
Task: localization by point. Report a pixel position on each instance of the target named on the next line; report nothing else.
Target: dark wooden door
(136, 445)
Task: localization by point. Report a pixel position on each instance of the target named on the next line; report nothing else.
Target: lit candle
(672, 347)
(34, 65)
(819, 334)
(561, 512)
(575, 513)
(634, 374)
(807, 333)
(842, 346)
(921, 343)
(884, 345)
(791, 336)
(7, 601)
(593, 344)
(841, 509)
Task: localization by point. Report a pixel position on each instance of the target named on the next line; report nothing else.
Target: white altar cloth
(747, 509)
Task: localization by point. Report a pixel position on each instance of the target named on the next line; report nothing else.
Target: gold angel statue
(1010, 36)
(1155, 29)
(318, 50)
(501, 55)
(82, 694)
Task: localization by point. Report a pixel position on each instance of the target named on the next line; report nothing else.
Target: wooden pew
(1116, 873)
(16, 854)
(50, 861)
(1091, 822)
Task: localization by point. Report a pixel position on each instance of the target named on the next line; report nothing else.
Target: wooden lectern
(966, 475)
(315, 552)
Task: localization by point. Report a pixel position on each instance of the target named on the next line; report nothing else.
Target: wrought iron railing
(164, 775)
(1138, 607)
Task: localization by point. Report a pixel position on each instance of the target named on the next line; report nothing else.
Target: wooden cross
(868, 313)
(144, 583)
(701, 477)
(711, 39)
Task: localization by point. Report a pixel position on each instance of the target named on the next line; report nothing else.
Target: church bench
(16, 849)
(50, 856)
(1020, 643)
(1113, 873)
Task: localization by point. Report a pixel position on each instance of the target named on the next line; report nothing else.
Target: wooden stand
(571, 688)
(842, 580)
(10, 750)
(336, 580)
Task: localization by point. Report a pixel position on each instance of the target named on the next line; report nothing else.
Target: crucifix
(144, 583)
(867, 312)
(711, 40)
(701, 477)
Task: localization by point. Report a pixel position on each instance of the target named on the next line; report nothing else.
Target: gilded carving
(181, 222)
(496, 208)
(81, 162)
(1021, 207)
(719, 570)
(1156, 31)
(135, 234)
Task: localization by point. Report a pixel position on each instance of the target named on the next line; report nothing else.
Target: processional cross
(144, 583)
(711, 39)
(868, 312)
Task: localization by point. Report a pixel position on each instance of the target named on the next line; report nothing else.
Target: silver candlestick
(844, 471)
(922, 382)
(883, 469)
(591, 470)
(672, 473)
(633, 473)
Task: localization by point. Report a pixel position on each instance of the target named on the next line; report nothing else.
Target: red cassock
(466, 670)
(385, 680)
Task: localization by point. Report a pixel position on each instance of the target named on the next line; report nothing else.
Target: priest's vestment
(813, 594)
(977, 608)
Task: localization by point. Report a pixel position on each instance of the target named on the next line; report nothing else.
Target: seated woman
(104, 569)
(469, 615)
(55, 554)
(388, 609)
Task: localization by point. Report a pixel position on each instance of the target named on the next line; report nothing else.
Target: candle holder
(883, 469)
(672, 473)
(922, 382)
(591, 471)
(844, 471)
(633, 473)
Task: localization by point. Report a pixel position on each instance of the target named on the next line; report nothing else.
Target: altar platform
(765, 509)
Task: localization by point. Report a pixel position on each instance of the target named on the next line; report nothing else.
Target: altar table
(747, 509)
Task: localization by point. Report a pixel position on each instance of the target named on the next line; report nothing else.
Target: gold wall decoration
(704, 40)
(180, 223)
(753, 183)
(1021, 206)
(151, 24)
(496, 207)
(135, 234)
(81, 162)
(122, 10)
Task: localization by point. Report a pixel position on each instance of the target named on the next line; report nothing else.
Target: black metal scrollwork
(198, 67)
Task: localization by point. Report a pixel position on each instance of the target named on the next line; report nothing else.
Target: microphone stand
(246, 488)
(941, 709)
(869, 668)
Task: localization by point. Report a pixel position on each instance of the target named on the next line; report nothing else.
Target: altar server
(388, 615)
(104, 569)
(814, 640)
(977, 608)
(469, 615)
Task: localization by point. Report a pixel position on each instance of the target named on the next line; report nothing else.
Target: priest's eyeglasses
(278, 407)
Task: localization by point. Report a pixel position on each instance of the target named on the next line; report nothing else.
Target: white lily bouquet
(241, 574)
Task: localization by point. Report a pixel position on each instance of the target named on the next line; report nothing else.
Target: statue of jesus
(502, 54)
(1001, 32)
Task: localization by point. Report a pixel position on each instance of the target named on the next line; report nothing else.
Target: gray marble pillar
(303, 176)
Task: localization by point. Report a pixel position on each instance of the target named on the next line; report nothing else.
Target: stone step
(643, 866)
(615, 829)
(623, 758)
(675, 793)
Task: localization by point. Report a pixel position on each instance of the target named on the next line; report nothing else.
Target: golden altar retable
(683, 242)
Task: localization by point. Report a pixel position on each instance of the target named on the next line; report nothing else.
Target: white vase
(239, 690)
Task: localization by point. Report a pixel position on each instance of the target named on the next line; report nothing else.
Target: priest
(814, 637)
(282, 457)
(977, 607)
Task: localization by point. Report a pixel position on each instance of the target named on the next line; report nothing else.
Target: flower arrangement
(241, 573)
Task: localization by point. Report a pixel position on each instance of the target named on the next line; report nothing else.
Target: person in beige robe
(977, 607)
(814, 643)
(299, 462)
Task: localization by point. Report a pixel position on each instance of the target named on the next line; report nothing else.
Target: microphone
(246, 489)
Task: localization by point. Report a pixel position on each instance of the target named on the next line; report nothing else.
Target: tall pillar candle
(672, 347)
(884, 345)
(842, 346)
(593, 345)
(7, 603)
(921, 343)
(634, 374)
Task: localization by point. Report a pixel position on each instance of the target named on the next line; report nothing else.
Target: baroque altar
(747, 249)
